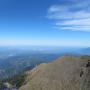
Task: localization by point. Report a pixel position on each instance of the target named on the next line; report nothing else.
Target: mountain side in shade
(66, 73)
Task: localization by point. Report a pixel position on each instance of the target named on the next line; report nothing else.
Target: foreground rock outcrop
(66, 73)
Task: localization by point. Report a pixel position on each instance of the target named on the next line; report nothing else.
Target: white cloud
(71, 17)
(81, 22)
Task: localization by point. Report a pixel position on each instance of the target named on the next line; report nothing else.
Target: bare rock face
(66, 73)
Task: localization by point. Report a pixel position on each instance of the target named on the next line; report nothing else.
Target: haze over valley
(15, 60)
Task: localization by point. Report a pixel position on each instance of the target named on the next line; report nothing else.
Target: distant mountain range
(83, 51)
(86, 50)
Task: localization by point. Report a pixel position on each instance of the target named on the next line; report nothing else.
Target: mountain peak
(65, 73)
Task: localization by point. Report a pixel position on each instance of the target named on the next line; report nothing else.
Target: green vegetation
(1, 84)
(15, 81)
(18, 80)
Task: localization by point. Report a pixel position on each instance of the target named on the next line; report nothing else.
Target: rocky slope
(66, 73)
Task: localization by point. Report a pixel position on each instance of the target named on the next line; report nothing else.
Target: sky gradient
(45, 22)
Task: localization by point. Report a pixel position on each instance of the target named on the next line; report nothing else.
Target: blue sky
(45, 22)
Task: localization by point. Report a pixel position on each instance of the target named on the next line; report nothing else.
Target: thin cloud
(71, 16)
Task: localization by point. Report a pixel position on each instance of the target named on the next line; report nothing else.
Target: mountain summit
(65, 73)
